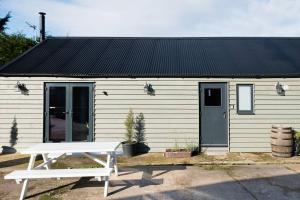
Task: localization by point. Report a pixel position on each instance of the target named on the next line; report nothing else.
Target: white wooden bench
(59, 150)
(98, 173)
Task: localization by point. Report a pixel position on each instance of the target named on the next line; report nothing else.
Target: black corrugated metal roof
(160, 57)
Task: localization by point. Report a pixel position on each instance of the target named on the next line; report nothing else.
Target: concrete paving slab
(272, 182)
(293, 167)
(190, 183)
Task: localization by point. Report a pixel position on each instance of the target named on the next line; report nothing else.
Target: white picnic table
(53, 151)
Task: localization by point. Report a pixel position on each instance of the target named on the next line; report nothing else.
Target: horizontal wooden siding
(172, 115)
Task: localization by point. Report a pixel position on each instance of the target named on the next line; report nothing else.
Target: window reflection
(212, 97)
(57, 113)
(80, 123)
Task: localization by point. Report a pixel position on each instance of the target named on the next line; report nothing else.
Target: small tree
(129, 124)
(297, 142)
(13, 45)
(3, 22)
(140, 128)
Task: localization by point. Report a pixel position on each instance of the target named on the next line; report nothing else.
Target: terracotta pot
(181, 153)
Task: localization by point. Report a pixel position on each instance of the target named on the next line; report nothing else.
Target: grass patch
(217, 167)
(75, 162)
(263, 157)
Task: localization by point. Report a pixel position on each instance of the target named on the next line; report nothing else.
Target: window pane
(80, 124)
(245, 97)
(212, 97)
(57, 112)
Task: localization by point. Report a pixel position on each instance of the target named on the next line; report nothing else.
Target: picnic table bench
(87, 149)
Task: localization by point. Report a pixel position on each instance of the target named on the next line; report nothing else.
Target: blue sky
(157, 17)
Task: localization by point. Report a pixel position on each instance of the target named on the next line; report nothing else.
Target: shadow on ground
(14, 162)
(283, 187)
(17, 161)
(148, 179)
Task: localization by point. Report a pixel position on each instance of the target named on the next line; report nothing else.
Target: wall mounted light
(149, 89)
(22, 87)
(281, 89)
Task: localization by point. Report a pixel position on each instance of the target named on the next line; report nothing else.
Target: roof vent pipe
(42, 26)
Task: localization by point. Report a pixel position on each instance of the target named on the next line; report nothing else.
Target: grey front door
(213, 114)
(68, 112)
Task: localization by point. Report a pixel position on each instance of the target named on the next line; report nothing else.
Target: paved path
(256, 182)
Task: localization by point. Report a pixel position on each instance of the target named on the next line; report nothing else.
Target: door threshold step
(216, 153)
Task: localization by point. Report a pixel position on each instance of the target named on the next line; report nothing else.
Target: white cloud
(162, 17)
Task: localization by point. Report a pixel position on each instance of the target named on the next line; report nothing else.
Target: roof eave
(147, 76)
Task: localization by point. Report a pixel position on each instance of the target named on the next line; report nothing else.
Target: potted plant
(129, 144)
(139, 135)
(179, 152)
(297, 143)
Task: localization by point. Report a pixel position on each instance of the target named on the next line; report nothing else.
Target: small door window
(212, 97)
(244, 99)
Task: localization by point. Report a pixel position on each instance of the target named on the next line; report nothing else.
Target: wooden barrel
(282, 141)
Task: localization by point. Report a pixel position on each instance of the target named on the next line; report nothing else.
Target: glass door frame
(69, 117)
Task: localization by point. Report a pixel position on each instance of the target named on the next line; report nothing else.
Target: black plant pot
(8, 150)
(128, 149)
(141, 148)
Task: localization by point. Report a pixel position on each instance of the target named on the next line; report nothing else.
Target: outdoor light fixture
(105, 93)
(280, 89)
(148, 89)
(22, 87)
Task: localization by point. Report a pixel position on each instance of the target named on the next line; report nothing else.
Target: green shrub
(139, 127)
(297, 142)
(129, 124)
(191, 147)
(188, 147)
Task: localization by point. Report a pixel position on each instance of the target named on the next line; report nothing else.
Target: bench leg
(106, 183)
(116, 170)
(25, 184)
(115, 164)
(24, 189)
(45, 159)
(106, 178)
(108, 161)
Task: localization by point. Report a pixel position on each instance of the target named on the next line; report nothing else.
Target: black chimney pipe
(42, 26)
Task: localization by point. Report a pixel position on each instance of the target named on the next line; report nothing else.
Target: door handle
(224, 114)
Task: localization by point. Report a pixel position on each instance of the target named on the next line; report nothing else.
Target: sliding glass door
(68, 112)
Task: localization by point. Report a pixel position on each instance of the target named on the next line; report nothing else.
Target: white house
(220, 93)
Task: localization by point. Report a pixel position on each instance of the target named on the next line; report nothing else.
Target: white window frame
(244, 112)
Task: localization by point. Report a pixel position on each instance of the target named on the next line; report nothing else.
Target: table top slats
(58, 173)
(72, 147)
